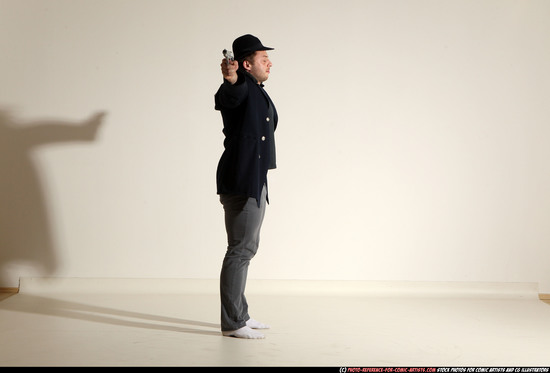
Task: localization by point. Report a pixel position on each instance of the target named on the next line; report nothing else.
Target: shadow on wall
(25, 232)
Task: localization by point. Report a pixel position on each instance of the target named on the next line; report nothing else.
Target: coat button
(263, 138)
(267, 119)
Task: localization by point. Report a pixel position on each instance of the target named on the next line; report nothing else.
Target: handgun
(228, 56)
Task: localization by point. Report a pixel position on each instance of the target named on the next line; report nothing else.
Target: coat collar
(247, 74)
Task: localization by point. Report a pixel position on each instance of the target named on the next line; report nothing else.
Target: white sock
(254, 324)
(244, 332)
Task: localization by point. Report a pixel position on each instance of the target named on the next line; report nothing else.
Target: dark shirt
(249, 122)
(271, 142)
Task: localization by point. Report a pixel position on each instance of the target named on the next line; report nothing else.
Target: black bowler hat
(246, 45)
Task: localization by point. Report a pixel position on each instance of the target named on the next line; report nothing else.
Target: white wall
(412, 141)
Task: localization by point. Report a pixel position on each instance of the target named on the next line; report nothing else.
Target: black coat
(245, 108)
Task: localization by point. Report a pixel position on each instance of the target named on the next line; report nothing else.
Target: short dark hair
(248, 57)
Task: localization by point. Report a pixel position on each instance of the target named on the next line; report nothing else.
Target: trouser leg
(243, 221)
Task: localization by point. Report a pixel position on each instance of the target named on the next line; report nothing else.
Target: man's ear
(246, 65)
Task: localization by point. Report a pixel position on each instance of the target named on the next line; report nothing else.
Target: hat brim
(248, 52)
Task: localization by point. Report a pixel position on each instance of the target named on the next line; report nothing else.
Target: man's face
(259, 66)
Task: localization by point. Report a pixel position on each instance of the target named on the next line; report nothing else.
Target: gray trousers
(243, 221)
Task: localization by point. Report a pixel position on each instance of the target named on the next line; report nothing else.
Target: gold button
(267, 119)
(263, 138)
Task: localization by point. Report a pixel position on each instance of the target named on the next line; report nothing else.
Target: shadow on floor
(61, 308)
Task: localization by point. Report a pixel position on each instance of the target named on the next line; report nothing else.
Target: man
(249, 122)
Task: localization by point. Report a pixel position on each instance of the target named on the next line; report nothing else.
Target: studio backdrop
(413, 139)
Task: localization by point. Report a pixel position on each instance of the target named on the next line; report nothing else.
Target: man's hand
(229, 70)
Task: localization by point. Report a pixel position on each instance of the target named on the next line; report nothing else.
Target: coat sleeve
(229, 95)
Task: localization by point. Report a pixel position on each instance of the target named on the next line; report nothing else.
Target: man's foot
(244, 332)
(254, 324)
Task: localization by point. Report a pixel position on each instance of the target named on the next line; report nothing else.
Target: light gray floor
(113, 329)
